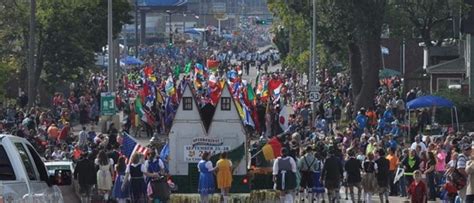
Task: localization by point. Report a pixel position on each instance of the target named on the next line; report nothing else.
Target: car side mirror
(61, 177)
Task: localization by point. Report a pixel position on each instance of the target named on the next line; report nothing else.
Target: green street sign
(107, 103)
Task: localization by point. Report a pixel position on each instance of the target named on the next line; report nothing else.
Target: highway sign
(314, 96)
(107, 103)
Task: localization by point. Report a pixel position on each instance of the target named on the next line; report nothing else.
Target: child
(417, 190)
(450, 192)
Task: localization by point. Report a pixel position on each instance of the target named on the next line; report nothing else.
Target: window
(30, 170)
(6, 168)
(187, 103)
(225, 103)
(40, 165)
(448, 83)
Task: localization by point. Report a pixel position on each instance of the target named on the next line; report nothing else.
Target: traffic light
(261, 22)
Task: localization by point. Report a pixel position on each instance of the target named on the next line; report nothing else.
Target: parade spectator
(417, 189)
(393, 166)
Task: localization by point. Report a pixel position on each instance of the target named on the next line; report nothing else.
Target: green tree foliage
(430, 20)
(67, 35)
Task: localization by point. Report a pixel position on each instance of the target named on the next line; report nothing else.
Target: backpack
(458, 180)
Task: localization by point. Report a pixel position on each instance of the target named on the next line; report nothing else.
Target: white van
(23, 175)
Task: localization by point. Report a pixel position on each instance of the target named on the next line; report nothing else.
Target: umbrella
(387, 73)
(130, 60)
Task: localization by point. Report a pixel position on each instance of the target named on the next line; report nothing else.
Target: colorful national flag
(142, 114)
(169, 86)
(177, 71)
(272, 149)
(165, 152)
(247, 116)
(212, 64)
(131, 146)
(283, 118)
(187, 68)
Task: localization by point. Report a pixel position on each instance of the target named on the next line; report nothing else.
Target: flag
(214, 94)
(250, 94)
(142, 114)
(187, 68)
(169, 86)
(165, 152)
(148, 71)
(384, 50)
(276, 94)
(247, 116)
(212, 81)
(274, 84)
(177, 71)
(272, 149)
(131, 146)
(232, 75)
(283, 118)
(212, 64)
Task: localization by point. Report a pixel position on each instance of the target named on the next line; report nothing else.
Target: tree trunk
(356, 69)
(371, 62)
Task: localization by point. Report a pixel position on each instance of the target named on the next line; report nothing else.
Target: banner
(193, 154)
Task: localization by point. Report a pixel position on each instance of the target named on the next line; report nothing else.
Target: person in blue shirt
(361, 120)
(395, 129)
(381, 126)
(388, 115)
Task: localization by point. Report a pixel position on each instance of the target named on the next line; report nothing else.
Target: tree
(68, 34)
(347, 30)
(431, 20)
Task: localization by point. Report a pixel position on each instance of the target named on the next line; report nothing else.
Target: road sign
(314, 96)
(107, 103)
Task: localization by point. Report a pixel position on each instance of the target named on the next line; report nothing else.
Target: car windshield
(58, 167)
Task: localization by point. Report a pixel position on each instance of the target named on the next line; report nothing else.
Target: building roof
(452, 66)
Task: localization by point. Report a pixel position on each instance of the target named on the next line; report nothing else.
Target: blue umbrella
(130, 60)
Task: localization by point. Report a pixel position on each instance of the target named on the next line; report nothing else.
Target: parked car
(23, 175)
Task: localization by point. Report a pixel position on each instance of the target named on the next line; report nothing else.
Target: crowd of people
(319, 151)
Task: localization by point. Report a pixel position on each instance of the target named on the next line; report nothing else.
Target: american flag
(131, 146)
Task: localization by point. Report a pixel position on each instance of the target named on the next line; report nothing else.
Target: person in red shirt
(417, 189)
(65, 131)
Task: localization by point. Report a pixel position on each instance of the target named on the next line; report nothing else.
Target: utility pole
(313, 85)
(136, 28)
(31, 56)
(110, 70)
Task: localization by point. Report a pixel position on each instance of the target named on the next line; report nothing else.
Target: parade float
(189, 138)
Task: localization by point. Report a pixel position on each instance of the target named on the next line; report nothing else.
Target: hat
(372, 139)
(466, 147)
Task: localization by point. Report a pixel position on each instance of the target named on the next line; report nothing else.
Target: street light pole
(136, 28)
(110, 70)
(31, 55)
(171, 29)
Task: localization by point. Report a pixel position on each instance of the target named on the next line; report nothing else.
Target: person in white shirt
(418, 143)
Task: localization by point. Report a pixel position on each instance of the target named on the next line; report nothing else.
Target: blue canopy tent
(433, 101)
(130, 60)
(193, 31)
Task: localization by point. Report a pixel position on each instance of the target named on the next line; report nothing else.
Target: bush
(464, 105)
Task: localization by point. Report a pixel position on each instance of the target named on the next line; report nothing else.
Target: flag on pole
(142, 114)
(272, 149)
(165, 152)
(187, 68)
(131, 146)
(247, 115)
(283, 118)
